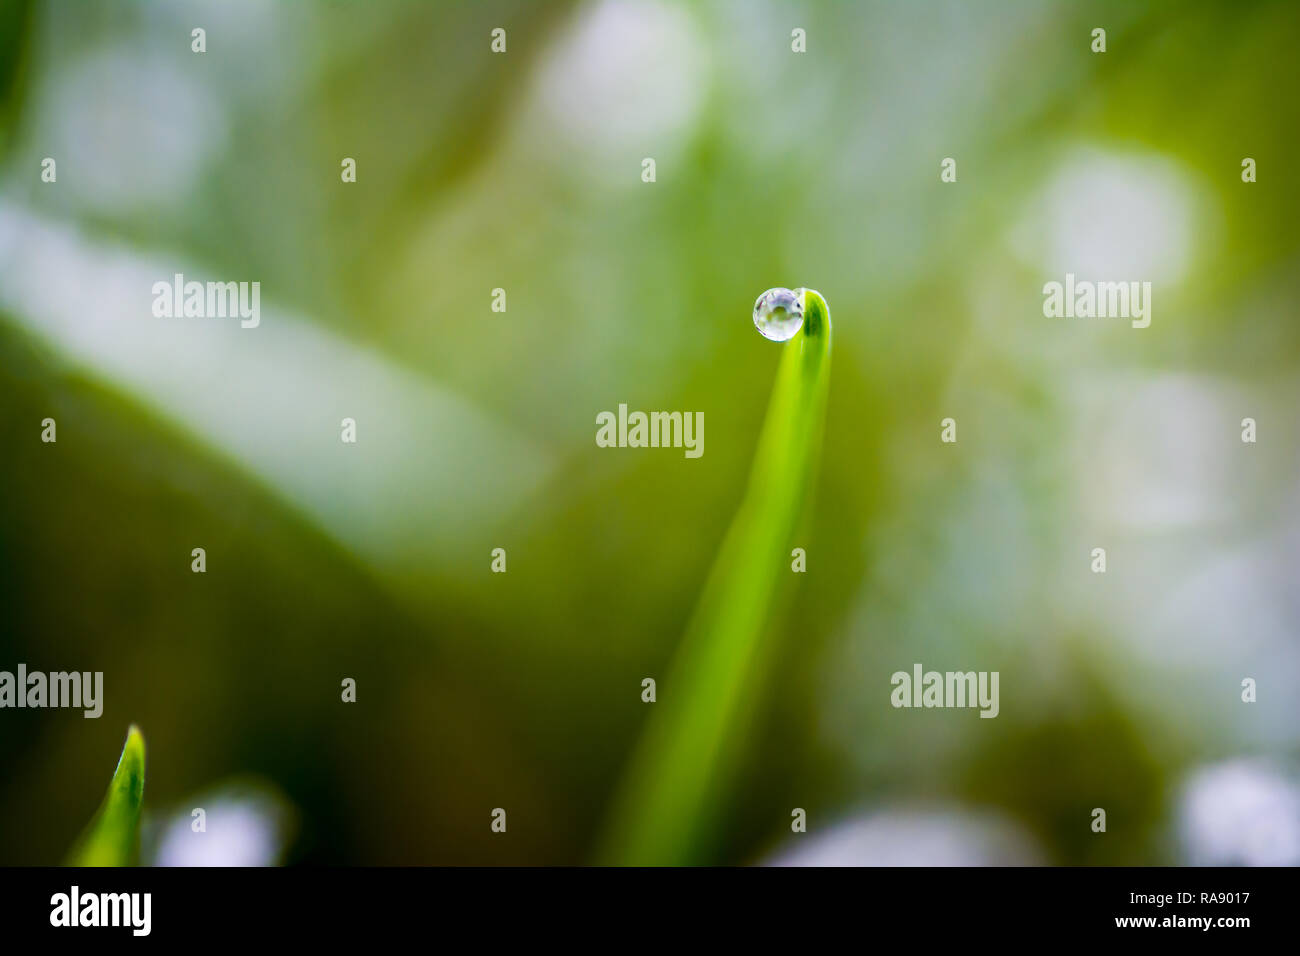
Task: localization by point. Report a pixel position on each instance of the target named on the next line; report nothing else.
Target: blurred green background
(522, 171)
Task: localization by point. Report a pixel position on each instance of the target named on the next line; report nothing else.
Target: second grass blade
(112, 837)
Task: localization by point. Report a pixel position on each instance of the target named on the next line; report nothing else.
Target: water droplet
(778, 314)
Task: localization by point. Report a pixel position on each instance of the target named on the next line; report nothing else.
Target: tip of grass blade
(113, 835)
(817, 315)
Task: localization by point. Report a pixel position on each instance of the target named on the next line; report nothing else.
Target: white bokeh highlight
(941, 836)
(1242, 812)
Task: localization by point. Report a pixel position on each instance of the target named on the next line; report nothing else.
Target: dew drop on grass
(778, 314)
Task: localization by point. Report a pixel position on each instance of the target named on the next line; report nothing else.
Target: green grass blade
(113, 836)
(679, 774)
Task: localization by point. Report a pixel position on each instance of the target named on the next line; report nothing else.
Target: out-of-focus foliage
(521, 171)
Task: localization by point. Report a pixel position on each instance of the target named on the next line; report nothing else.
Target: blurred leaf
(113, 836)
(679, 773)
(16, 20)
